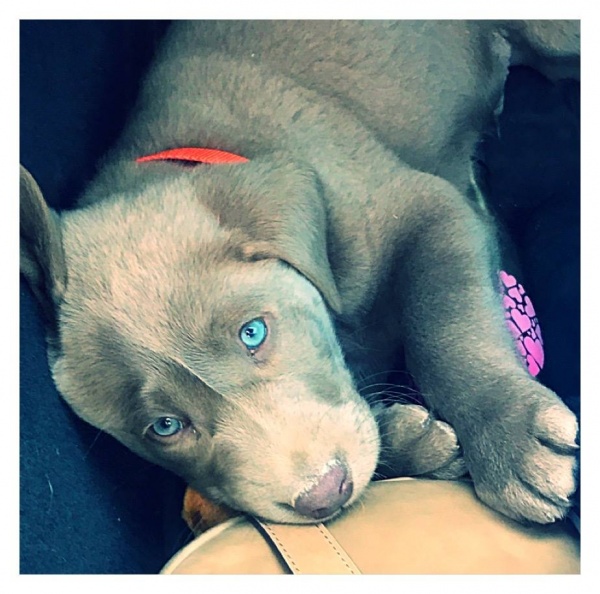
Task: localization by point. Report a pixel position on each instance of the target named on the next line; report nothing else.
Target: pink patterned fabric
(522, 323)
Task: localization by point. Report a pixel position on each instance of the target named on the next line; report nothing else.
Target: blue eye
(253, 333)
(167, 426)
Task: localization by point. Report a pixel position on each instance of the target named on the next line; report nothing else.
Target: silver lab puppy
(218, 319)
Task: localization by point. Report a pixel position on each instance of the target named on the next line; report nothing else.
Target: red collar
(195, 155)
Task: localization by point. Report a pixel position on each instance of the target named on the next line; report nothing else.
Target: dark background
(87, 504)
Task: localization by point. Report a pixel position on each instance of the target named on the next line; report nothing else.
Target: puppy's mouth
(320, 499)
(303, 463)
(316, 498)
(295, 518)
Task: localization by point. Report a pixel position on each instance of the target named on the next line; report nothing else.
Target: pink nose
(327, 495)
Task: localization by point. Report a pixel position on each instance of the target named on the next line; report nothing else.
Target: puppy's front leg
(517, 436)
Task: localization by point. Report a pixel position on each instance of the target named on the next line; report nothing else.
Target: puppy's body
(350, 225)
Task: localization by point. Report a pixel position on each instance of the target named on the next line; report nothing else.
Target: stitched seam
(286, 555)
(341, 556)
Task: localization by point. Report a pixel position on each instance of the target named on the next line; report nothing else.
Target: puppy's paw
(416, 444)
(524, 463)
(455, 469)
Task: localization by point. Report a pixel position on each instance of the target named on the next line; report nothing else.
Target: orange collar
(195, 155)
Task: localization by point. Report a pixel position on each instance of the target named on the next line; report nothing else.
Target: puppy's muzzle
(327, 494)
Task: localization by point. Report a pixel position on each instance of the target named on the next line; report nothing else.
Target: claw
(557, 426)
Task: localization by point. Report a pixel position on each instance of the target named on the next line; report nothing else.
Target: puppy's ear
(42, 258)
(281, 212)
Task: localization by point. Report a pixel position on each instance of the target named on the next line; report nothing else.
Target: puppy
(220, 319)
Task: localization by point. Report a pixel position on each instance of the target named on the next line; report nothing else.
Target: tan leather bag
(401, 526)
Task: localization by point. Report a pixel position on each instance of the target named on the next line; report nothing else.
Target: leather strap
(308, 549)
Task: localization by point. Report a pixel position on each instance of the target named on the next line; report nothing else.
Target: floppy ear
(280, 209)
(42, 259)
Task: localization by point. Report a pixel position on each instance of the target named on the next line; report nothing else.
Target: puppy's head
(192, 314)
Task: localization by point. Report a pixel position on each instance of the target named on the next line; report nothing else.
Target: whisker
(96, 438)
(390, 397)
(184, 536)
(388, 372)
(391, 385)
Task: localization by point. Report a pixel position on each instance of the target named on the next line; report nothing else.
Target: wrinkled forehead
(191, 302)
